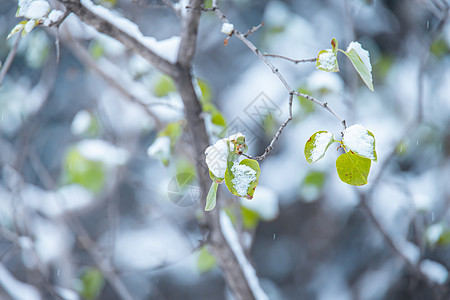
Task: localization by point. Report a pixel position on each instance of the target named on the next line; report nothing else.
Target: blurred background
(97, 176)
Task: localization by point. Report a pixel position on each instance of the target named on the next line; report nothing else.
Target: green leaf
(327, 61)
(16, 29)
(312, 186)
(206, 261)
(250, 218)
(173, 131)
(352, 168)
(164, 86)
(334, 46)
(239, 179)
(360, 67)
(92, 284)
(218, 119)
(211, 198)
(317, 145)
(83, 171)
(206, 91)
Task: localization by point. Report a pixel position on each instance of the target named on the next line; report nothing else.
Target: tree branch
(103, 21)
(296, 61)
(10, 58)
(189, 33)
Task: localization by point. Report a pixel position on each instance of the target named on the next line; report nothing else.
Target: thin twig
(296, 61)
(253, 29)
(277, 134)
(10, 58)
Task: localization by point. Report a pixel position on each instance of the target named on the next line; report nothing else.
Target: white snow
(327, 60)
(434, 232)
(243, 176)
(435, 271)
(321, 142)
(357, 139)
(15, 288)
(168, 48)
(233, 241)
(81, 122)
(362, 53)
(217, 154)
(53, 17)
(33, 9)
(409, 250)
(264, 203)
(53, 240)
(29, 26)
(102, 151)
(227, 28)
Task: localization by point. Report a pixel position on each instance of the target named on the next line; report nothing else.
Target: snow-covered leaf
(327, 61)
(317, 145)
(353, 169)
(359, 140)
(242, 179)
(223, 151)
(16, 29)
(361, 61)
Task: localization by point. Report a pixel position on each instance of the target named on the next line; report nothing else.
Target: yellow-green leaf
(353, 169)
(317, 145)
(16, 29)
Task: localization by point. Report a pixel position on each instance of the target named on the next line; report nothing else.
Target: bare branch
(130, 40)
(295, 61)
(10, 58)
(189, 34)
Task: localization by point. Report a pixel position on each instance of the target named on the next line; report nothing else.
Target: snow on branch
(160, 54)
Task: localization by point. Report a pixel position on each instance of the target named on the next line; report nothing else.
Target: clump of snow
(81, 122)
(264, 202)
(327, 61)
(362, 53)
(409, 250)
(243, 176)
(217, 154)
(321, 142)
(227, 28)
(33, 9)
(434, 232)
(357, 139)
(53, 17)
(29, 26)
(435, 271)
(102, 151)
